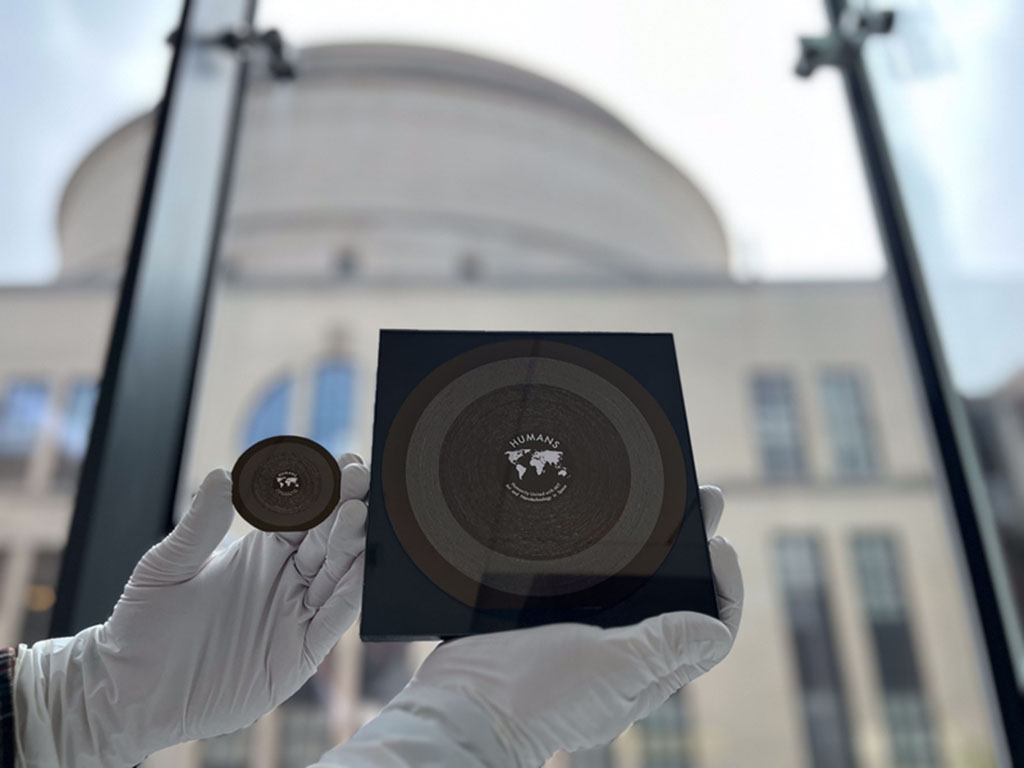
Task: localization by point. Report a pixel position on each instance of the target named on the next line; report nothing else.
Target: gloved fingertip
(355, 481)
(724, 556)
(349, 458)
(712, 504)
(215, 490)
(184, 550)
(725, 565)
(352, 514)
(216, 479)
(700, 637)
(348, 535)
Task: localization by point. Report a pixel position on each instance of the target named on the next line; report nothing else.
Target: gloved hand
(514, 698)
(197, 645)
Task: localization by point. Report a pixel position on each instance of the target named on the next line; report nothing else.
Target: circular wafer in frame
(285, 483)
(533, 473)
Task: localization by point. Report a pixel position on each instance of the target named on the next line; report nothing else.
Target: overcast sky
(709, 84)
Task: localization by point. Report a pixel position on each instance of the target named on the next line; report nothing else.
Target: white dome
(411, 163)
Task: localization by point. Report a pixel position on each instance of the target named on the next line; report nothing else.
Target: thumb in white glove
(514, 698)
(200, 643)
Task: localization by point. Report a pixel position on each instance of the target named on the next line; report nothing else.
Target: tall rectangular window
(910, 730)
(332, 406)
(666, 733)
(778, 427)
(814, 652)
(73, 437)
(40, 596)
(22, 413)
(853, 441)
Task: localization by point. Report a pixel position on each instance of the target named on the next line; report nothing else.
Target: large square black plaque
(528, 478)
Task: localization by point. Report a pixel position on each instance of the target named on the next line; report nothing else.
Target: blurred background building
(400, 186)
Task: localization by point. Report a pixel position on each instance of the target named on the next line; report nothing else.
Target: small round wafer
(285, 483)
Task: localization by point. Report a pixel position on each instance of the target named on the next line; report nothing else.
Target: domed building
(395, 163)
(391, 186)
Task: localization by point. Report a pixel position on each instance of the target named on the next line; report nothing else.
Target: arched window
(73, 437)
(269, 417)
(332, 406)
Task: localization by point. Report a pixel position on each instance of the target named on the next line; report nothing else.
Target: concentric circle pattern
(285, 483)
(533, 471)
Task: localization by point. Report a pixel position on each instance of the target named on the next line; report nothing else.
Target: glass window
(73, 435)
(778, 427)
(22, 414)
(814, 652)
(531, 185)
(270, 415)
(40, 595)
(853, 444)
(332, 407)
(913, 742)
(666, 735)
(953, 122)
(303, 721)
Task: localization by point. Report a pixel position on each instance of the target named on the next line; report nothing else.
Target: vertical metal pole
(939, 394)
(129, 477)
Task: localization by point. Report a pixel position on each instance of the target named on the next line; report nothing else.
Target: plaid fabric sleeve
(7, 707)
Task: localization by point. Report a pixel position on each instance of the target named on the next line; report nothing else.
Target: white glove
(514, 698)
(197, 645)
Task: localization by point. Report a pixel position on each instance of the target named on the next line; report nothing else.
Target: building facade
(401, 187)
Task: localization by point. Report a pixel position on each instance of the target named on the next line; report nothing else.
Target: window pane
(906, 707)
(826, 720)
(22, 414)
(532, 185)
(948, 86)
(81, 72)
(778, 427)
(853, 446)
(666, 735)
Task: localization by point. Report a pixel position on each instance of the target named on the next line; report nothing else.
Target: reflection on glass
(953, 124)
(420, 187)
